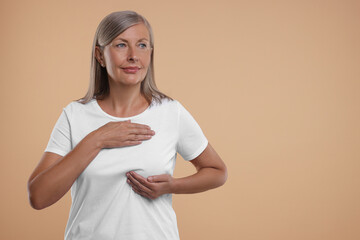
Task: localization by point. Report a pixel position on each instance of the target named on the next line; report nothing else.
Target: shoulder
(165, 107)
(77, 107)
(174, 104)
(165, 103)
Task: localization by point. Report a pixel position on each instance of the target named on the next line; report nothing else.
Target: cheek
(146, 68)
(115, 59)
(146, 62)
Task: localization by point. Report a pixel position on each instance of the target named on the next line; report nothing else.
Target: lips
(131, 69)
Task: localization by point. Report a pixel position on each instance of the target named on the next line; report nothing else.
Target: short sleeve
(191, 141)
(60, 138)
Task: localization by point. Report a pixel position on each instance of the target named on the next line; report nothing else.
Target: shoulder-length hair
(109, 28)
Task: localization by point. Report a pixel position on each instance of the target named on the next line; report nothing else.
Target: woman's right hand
(123, 133)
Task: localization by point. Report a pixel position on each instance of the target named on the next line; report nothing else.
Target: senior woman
(116, 147)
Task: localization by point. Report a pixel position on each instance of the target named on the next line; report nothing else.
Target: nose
(132, 56)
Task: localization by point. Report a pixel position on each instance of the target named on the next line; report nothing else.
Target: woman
(116, 147)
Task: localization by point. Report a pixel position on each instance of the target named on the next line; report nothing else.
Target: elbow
(224, 176)
(221, 178)
(34, 203)
(33, 200)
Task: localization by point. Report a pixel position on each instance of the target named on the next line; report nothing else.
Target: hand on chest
(152, 157)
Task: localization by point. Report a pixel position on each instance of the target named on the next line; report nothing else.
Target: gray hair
(109, 28)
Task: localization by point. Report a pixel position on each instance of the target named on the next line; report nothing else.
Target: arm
(55, 175)
(47, 186)
(211, 173)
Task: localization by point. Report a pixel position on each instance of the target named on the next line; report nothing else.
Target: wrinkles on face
(130, 56)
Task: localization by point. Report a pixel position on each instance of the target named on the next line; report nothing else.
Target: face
(131, 48)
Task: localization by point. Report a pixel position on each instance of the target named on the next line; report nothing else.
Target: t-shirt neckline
(121, 118)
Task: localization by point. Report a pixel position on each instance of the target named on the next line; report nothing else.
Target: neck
(123, 97)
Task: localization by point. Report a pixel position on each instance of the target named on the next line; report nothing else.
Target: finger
(130, 142)
(139, 126)
(141, 131)
(137, 138)
(133, 185)
(158, 178)
(140, 182)
(137, 190)
(134, 136)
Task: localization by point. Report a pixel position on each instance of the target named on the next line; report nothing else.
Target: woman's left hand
(151, 187)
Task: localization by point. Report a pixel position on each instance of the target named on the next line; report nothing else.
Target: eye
(122, 44)
(143, 45)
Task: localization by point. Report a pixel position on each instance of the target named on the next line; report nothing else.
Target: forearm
(203, 180)
(49, 186)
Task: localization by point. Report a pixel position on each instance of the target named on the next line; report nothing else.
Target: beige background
(273, 84)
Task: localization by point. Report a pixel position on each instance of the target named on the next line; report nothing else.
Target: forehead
(134, 33)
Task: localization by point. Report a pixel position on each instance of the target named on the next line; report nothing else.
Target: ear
(99, 56)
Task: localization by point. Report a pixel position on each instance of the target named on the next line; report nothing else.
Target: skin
(211, 173)
(55, 174)
(125, 100)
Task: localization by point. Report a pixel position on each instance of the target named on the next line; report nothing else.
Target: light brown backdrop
(273, 84)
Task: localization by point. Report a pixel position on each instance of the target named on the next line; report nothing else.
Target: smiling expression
(131, 48)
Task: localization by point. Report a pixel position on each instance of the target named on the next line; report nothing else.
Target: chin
(132, 82)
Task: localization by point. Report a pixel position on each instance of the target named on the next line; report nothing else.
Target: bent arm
(50, 185)
(211, 173)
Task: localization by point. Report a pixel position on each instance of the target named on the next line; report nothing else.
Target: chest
(154, 156)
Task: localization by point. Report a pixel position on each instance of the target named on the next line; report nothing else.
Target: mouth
(131, 69)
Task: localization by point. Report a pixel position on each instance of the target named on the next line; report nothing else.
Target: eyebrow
(122, 39)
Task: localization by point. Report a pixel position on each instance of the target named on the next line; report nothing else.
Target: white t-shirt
(104, 206)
